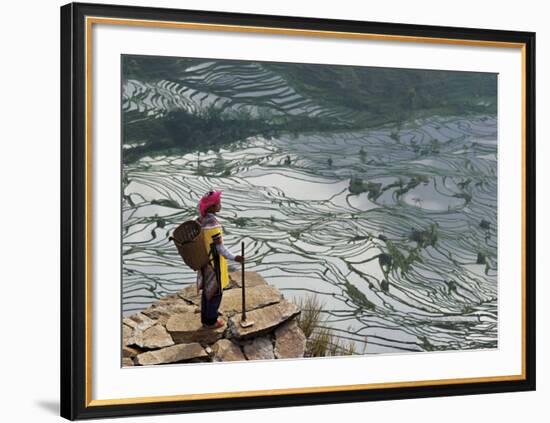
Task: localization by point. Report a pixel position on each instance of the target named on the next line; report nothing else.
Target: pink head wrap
(209, 199)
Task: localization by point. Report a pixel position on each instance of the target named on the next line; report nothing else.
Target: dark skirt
(209, 308)
(211, 296)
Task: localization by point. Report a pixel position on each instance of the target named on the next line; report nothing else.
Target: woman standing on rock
(213, 277)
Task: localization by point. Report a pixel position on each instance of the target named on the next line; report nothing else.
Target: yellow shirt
(208, 233)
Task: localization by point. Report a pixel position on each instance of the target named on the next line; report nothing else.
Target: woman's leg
(204, 317)
(209, 309)
(211, 297)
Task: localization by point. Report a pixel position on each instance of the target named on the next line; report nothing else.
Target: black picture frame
(75, 402)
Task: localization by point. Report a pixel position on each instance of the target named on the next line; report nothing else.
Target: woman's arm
(225, 252)
(218, 240)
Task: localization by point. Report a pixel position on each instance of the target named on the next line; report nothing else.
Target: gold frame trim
(91, 20)
(88, 208)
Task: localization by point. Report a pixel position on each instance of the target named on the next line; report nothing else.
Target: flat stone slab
(130, 352)
(139, 321)
(290, 341)
(187, 327)
(161, 311)
(226, 350)
(265, 319)
(256, 297)
(259, 349)
(127, 362)
(127, 333)
(173, 354)
(151, 338)
(190, 294)
(250, 279)
(168, 299)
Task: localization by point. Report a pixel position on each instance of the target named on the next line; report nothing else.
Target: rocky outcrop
(187, 327)
(139, 321)
(251, 279)
(259, 349)
(173, 354)
(170, 330)
(127, 362)
(226, 350)
(127, 333)
(163, 309)
(256, 297)
(154, 337)
(130, 352)
(190, 295)
(265, 319)
(290, 341)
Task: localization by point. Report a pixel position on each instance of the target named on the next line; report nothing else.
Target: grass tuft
(321, 340)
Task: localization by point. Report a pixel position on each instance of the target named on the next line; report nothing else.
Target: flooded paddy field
(392, 227)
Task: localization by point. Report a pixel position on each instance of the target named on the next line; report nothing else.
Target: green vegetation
(182, 131)
(401, 258)
(241, 222)
(326, 344)
(210, 129)
(481, 258)
(375, 189)
(388, 95)
(399, 261)
(361, 97)
(426, 237)
(363, 155)
(484, 224)
(358, 186)
(413, 183)
(310, 316)
(321, 340)
(358, 297)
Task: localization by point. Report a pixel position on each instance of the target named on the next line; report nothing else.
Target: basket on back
(189, 241)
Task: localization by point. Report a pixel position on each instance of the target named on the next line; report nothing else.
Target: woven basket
(189, 240)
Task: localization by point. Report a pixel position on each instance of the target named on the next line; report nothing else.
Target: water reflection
(394, 232)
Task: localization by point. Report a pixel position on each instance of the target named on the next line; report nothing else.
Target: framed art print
(264, 211)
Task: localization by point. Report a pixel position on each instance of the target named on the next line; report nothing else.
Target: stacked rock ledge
(170, 330)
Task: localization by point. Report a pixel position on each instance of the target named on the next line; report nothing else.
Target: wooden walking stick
(244, 322)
